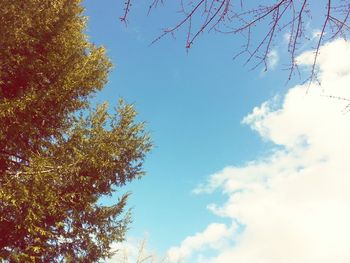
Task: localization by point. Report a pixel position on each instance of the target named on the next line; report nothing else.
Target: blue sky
(193, 104)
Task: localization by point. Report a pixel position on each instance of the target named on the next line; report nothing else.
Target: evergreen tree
(56, 162)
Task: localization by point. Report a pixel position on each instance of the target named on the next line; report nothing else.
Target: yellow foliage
(54, 164)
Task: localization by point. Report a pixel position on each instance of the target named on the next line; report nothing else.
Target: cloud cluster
(295, 203)
(215, 236)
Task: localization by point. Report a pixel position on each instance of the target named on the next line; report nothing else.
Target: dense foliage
(55, 164)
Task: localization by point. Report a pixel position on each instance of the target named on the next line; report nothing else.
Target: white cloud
(286, 37)
(316, 33)
(272, 59)
(215, 236)
(295, 203)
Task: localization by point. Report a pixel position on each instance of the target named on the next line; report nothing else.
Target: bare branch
(126, 11)
(154, 5)
(278, 17)
(313, 70)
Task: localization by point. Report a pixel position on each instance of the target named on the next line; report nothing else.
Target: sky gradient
(233, 147)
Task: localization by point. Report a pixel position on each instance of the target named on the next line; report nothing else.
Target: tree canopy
(58, 156)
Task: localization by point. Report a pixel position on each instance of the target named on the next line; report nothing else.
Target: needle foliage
(56, 164)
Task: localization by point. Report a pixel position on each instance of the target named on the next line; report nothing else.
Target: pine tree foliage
(55, 164)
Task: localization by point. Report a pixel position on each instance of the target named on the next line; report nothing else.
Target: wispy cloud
(295, 203)
(272, 59)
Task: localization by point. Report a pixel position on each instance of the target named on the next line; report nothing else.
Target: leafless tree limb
(123, 18)
(276, 18)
